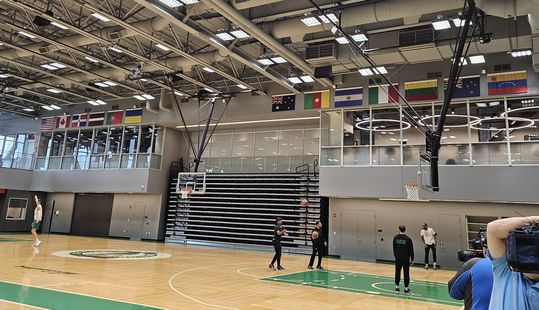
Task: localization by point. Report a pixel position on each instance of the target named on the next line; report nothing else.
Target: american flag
(47, 123)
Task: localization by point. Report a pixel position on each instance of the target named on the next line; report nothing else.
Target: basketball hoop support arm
(202, 143)
(433, 142)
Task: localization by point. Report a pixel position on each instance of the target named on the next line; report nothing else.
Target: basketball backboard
(196, 181)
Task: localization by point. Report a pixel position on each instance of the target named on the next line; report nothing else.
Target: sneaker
(280, 267)
(271, 267)
(398, 289)
(434, 267)
(310, 267)
(426, 267)
(407, 291)
(38, 242)
(320, 267)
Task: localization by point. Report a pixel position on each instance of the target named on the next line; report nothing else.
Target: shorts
(35, 224)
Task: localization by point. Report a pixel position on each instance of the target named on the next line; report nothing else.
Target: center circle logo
(112, 254)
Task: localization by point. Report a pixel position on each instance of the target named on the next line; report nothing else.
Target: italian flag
(316, 100)
(422, 90)
(383, 94)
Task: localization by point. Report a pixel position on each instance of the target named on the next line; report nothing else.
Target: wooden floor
(192, 278)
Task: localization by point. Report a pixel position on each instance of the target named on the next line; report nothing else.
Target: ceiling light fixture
(162, 47)
(171, 3)
(380, 70)
(101, 102)
(242, 86)
(55, 107)
(521, 53)
(225, 36)
(4, 76)
(311, 21)
(177, 93)
(441, 25)
(463, 61)
(359, 37)
(116, 49)
(59, 25)
(54, 90)
(366, 72)
(278, 60)
(266, 62)
(91, 59)
(306, 79)
(92, 102)
(459, 22)
(342, 40)
(147, 96)
(332, 18)
(139, 97)
(101, 84)
(49, 66)
(28, 110)
(110, 83)
(189, 1)
(295, 79)
(240, 34)
(26, 34)
(477, 59)
(46, 107)
(210, 70)
(100, 17)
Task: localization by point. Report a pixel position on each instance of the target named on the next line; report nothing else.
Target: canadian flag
(63, 121)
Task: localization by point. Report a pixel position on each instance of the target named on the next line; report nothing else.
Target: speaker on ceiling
(324, 72)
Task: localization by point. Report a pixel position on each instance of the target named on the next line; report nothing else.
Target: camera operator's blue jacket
(473, 283)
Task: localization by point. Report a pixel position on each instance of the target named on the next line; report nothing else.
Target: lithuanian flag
(421, 90)
(316, 100)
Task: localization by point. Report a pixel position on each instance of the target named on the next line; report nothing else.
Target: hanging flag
(96, 119)
(421, 90)
(79, 120)
(283, 103)
(507, 83)
(47, 123)
(466, 87)
(348, 97)
(63, 121)
(133, 116)
(383, 94)
(114, 117)
(316, 100)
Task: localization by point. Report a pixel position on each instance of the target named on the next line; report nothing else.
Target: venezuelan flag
(507, 83)
(133, 116)
(422, 90)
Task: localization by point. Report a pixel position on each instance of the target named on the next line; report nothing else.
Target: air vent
(433, 75)
(504, 67)
(321, 54)
(375, 81)
(114, 35)
(416, 36)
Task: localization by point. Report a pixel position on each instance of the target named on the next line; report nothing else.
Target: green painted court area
(58, 300)
(423, 291)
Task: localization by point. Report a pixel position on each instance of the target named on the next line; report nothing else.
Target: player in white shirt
(429, 236)
(38, 216)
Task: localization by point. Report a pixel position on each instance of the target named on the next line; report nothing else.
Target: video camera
(477, 247)
(522, 249)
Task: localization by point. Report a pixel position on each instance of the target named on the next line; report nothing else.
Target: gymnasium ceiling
(66, 52)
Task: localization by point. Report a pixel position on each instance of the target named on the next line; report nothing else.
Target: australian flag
(283, 103)
(466, 87)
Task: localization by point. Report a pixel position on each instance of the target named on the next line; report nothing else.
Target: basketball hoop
(186, 192)
(412, 191)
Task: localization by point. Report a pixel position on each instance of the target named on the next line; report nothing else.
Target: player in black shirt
(319, 243)
(403, 249)
(278, 232)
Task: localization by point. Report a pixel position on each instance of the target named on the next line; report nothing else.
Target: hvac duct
(409, 10)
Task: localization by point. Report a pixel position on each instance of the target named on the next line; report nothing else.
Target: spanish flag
(422, 90)
(133, 116)
(316, 100)
(507, 83)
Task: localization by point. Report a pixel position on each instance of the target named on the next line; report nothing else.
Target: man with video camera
(514, 251)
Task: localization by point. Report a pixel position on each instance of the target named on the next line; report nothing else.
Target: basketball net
(186, 192)
(412, 191)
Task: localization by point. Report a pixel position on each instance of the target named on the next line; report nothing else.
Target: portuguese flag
(422, 90)
(383, 94)
(316, 100)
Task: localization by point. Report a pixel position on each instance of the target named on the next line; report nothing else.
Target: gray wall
(122, 220)
(477, 183)
(390, 214)
(15, 179)
(63, 212)
(19, 225)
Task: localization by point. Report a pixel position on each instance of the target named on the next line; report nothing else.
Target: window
(9, 150)
(16, 209)
(83, 150)
(99, 148)
(129, 149)
(114, 147)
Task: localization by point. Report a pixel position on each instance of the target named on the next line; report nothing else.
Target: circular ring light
(456, 116)
(519, 109)
(529, 122)
(405, 125)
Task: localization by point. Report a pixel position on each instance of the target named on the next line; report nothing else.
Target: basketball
(304, 202)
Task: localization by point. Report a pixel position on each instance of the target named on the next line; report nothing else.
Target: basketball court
(195, 154)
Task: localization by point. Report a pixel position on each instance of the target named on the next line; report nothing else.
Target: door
(358, 232)
(449, 240)
(136, 219)
(92, 214)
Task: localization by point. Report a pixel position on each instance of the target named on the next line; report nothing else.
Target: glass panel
(454, 154)
(235, 165)
(386, 155)
(411, 154)
(222, 137)
(221, 149)
(243, 149)
(489, 153)
(247, 165)
(523, 117)
(41, 163)
(224, 165)
(100, 141)
(83, 152)
(291, 134)
(128, 161)
(311, 146)
(290, 147)
(146, 139)
(243, 136)
(2, 140)
(143, 161)
(283, 164)
(10, 145)
(115, 140)
(156, 162)
(312, 133)
(331, 129)
(130, 139)
(266, 136)
(68, 162)
(44, 144)
(259, 164)
(112, 161)
(158, 139)
(267, 147)
(97, 161)
(57, 143)
(19, 156)
(54, 162)
(356, 156)
(523, 153)
(270, 164)
(296, 161)
(330, 157)
(72, 138)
